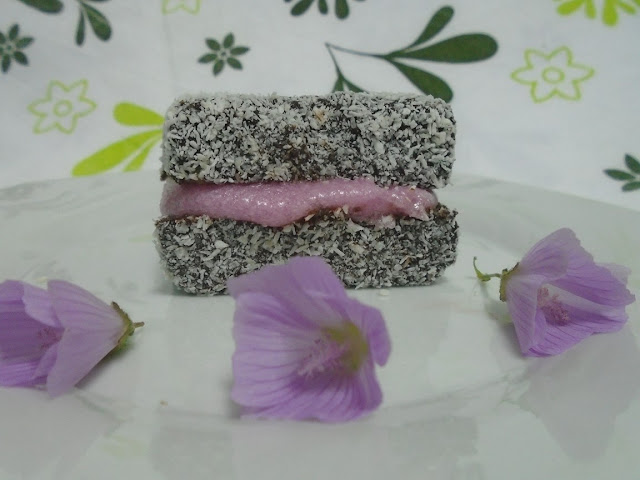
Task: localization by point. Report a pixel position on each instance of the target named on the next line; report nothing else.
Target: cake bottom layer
(200, 254)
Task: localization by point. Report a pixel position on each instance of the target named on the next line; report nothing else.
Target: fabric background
(545, 93)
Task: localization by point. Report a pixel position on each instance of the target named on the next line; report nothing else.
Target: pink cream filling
(276, 204)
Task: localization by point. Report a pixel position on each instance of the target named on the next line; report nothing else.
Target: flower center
(339, 349)
(552, 308)
(62, 108)
(553, 75)
(47, 336)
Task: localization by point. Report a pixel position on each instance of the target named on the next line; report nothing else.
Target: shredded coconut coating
(200, 254)
(404, 139)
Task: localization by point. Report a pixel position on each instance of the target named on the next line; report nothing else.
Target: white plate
(460, 401)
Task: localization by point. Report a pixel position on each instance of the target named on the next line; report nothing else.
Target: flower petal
(597, 317)
(336, 403)
(304, 349)
(549, 257)
(328, 398)
(371, 323)
(267, 394)
(76, 308)
(301, 285)
(260, 314)
(361, 395)
(310, 274)
(367, 392)
(522, 302)
(23, 338)
(78, 352)
(36, 301)
(46, 362)
(269, 350)
(558, 338)
(557, 295)
(619, 271)
(307, 398)
(594, 282)
(19, 374)
(92, 330)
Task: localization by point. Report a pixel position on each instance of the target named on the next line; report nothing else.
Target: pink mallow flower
(557, 296)
(304, 349)
(54, 337)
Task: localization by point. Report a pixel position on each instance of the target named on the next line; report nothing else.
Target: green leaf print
(228, 41)
(609, 11)
(99, 23)
(24, 42)
(114, 154)
(465, 48)
(207, 58)
(131, 114)
(45, 6)
(573, 5)
(21, 58)
(460, 49)
(619, 174)
(437, 23)
(425, 81)
(341, 7)
(301, 7)
(11, 46)
(222, 54)
(134, 148)
(138, 160)
(213, 44)
(80, 29)
(13, 32)
(342, 84)
(628, 187)
(233, 63)
(631, 177)
(632, 164)
(238, 50)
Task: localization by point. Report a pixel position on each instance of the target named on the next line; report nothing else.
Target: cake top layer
(405, 139)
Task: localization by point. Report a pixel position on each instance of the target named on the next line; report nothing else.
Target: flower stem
(353, 52)
(503, 276)
(484, 277)
(333, 59)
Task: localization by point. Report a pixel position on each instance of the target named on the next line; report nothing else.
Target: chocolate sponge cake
(253, 180)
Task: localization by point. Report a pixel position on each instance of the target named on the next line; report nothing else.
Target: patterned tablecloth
(545, 92)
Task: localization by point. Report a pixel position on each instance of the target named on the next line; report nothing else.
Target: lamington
(252, 180)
